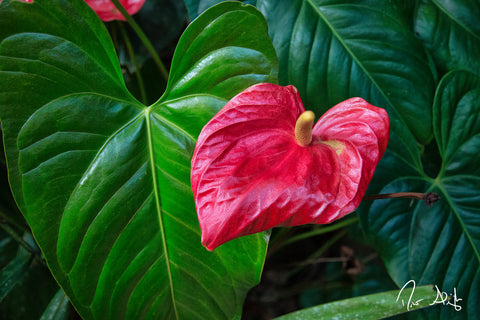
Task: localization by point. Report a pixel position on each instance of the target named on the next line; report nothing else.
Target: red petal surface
(107, 11)
(249, 174)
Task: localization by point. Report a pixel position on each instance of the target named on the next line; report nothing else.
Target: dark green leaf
(456, 118)
(104, 180)
(451, 31)
(438, 244)
(373, 306)
(391, 224)
(333, 50)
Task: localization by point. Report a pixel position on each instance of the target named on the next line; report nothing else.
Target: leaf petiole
(16, 237)
(138, 74)
(429, 198)
(146, 42)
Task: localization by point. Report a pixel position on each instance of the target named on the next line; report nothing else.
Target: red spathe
(249, 174)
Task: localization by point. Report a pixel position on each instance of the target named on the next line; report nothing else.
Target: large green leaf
(438, 244)
(332, 50)
(103, 180)
(450, 29)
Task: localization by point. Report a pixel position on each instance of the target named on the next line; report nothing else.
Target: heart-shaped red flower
(254, 166)
(107, 11)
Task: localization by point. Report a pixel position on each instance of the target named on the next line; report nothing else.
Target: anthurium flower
(107, 11)
(260, 162)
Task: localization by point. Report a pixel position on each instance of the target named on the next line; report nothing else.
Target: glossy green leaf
(369, 307)
(438, 244)
(56, 66)
(451, 31)
(103, 180)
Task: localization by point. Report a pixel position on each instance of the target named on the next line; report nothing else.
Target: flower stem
(429, 198)
(329, 243)
(138, 74)
(283, 239)
(17, 238)
(304, 127)
(322, 230)
(146, 42)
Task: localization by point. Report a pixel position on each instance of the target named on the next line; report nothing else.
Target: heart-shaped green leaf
(103, 180)
(451, 31)
(438, 244)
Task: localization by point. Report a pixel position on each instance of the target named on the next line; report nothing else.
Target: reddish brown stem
(429, 198)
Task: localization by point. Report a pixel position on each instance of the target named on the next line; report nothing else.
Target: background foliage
(419, 59)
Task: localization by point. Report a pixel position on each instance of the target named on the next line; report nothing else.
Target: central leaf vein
(156, 192)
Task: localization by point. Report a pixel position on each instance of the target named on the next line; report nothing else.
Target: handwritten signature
(441, 298)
